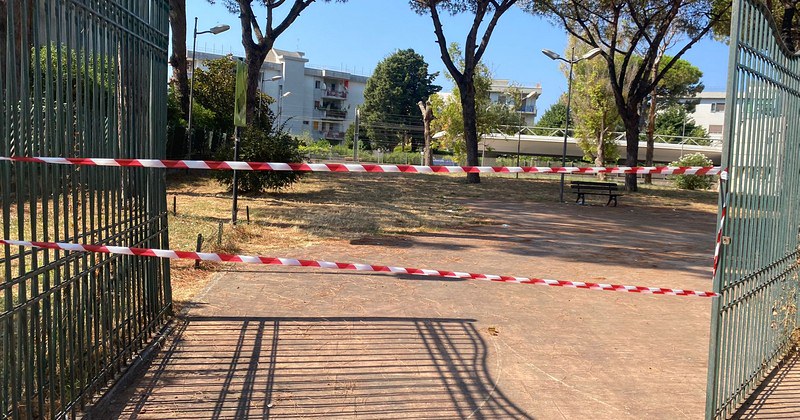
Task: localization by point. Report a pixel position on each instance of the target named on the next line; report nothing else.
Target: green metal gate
(754, 319)
(79, 78)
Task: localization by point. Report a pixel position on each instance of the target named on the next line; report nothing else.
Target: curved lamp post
(214, 31)
(554, 56)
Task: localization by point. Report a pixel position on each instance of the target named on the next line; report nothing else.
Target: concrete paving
(298, 343)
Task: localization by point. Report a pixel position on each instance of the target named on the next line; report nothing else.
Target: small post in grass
(174, 205)
(219, 234)
(248, 214)
(199, 247)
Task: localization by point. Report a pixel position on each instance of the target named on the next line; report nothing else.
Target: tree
(398, 83)
(555, 116)
(681, 82)
(258, 43)
(259, 145)
(489, 117)
(783, 11)
(426, 110)
(214, 87)
(630, 34)
(475, 46)
(177, 24)
(594, 109)
(674, 121)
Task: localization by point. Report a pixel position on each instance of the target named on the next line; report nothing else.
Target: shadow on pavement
(241, 367)
(778, 397)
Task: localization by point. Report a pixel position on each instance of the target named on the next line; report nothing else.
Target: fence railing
(755, 317)
(616, 136)
(94, 75)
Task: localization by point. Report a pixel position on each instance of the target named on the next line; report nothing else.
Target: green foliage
(257, 145)
(594, 109)
(214, 87)
(402, 158)
(66, 67)
(681, 81)
(693, 182)
(674, 121)
(316, 148)
(555, 116)
(391, 95)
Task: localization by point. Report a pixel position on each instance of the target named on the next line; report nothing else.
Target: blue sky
(355, 35)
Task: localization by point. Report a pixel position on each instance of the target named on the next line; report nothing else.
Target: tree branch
(442, 41)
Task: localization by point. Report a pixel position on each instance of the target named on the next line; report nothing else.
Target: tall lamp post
(271, 79)
(214, 31)
(281, 95)
(554, 56)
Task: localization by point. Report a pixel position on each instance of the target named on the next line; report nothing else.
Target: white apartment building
(499, 94)
(710, 113)
(319, 102)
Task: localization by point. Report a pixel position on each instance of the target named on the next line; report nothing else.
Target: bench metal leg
(610, 199)
(581, 201)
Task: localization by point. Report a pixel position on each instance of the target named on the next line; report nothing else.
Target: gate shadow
(262, 367)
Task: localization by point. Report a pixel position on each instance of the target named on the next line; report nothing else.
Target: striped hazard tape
(205, 256)
(367, 168)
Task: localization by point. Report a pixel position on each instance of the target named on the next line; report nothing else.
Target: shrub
(257, 145)
(693, 182)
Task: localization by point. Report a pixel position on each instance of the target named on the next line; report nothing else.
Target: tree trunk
(467, 91)
(631, 122)
(600, 159)
(651, 131)
(177, 22)
(651, 121)
(254, 59)
(427, 117)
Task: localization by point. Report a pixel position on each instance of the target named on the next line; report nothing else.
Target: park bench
(584, 188)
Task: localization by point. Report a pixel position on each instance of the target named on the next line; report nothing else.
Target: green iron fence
(79, 78)
(754, 319)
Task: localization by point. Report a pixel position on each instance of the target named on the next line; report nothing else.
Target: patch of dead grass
(332, 207)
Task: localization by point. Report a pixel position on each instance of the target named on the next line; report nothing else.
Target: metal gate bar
(79, 78)
(754, 318)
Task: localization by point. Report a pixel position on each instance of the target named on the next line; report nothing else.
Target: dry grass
(331, 207)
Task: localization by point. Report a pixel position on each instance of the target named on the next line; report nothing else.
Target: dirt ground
(295, 343)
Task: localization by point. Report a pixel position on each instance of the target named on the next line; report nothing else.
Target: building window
(316, 125)
(305, 122)
(715, 129)
(317, 84)
(718, 107)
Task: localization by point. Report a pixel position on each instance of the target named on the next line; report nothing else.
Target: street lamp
(214, 31)
(281, 95)
(260, 100)
(554, 56)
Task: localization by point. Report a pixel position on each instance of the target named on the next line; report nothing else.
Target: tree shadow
(372, 367)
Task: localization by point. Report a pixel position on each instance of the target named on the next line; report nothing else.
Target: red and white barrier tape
(205, 256)
(355, 167)
(723, 216)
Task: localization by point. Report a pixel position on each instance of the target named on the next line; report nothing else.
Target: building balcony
(337, 94)
(527, 109)
(333, 135)
(330, 114)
